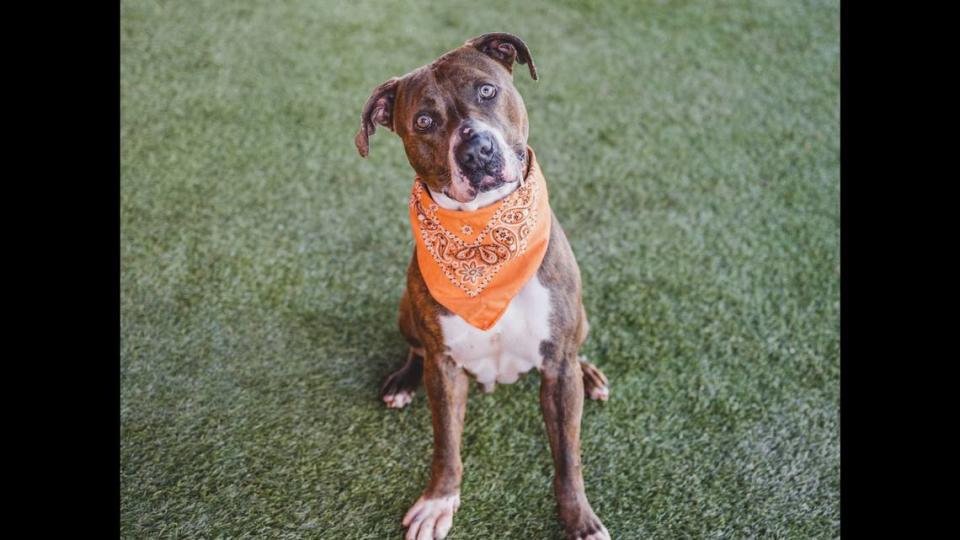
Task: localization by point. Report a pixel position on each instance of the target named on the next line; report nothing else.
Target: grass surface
(692, 151)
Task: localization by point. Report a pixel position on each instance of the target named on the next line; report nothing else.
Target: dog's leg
(595, 384)
(432, 515)
(398, 390)
(561, 400)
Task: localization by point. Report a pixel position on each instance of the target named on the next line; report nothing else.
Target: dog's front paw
(430, 518)
(585, 525)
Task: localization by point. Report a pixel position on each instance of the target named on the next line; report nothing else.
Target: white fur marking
(430, 518)
(399, 400)
(509, 349)
(483, 199)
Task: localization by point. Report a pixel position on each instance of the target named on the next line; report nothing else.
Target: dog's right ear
(378, 110)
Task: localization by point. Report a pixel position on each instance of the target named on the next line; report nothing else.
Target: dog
(493, 288)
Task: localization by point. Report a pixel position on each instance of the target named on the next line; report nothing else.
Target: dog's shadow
(356, 349)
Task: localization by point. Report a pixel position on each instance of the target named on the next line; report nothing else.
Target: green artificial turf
(692, 150)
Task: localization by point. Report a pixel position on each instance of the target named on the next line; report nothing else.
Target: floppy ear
(377, 110)
(506, 49)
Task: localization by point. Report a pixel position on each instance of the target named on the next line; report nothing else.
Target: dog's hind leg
(595, 383)
(398, 390)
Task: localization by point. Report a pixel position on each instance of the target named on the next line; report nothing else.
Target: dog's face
(463, 124)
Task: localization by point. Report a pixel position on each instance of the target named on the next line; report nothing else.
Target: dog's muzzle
(479, 158)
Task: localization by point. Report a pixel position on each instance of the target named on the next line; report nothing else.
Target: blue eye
(487, 91)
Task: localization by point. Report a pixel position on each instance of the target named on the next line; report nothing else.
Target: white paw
(599, 535)
(600, 392)
(430, 519)
(589, 529)
(399, 400)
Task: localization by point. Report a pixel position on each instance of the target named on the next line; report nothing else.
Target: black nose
(475, 150)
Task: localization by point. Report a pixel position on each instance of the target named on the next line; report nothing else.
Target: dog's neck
(482, 200)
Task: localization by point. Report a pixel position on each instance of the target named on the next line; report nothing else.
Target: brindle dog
(464, 129)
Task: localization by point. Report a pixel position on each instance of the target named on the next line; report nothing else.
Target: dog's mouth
(461, 189)
(465, 187)
(490, 182)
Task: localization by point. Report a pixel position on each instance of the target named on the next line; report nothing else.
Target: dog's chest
(509, 349)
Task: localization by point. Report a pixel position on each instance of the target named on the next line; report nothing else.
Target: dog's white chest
(509, 349)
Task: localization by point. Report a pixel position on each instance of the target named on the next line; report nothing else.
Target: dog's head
(463, 124)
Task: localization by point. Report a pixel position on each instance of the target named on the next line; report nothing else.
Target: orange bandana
(474, 263)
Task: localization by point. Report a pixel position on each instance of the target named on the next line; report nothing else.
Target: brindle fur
(564, 375)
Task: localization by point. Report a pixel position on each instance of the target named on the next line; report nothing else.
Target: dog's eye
(487, 91)
(424, 121)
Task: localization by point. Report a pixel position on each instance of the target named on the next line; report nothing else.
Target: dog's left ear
(506, 49)
(377, 110)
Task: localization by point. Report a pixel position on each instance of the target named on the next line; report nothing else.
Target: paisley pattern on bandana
(471, 265)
